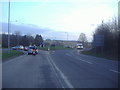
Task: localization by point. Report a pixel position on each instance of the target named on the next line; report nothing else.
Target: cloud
(45, 32)
(71, 1)
(34, 29)
(24, 28)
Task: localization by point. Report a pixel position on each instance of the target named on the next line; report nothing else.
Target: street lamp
(67, 35)
(9, 26)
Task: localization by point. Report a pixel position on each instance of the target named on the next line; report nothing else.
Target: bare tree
(38, 40)
(18, 33)
(82, 38)
(110, 32)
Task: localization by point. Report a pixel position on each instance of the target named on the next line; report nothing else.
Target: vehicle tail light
(33, 50)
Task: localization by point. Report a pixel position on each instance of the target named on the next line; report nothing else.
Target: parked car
(18, 47)
(26, 48)
(21, 47)
(15, 47)
(32, 49)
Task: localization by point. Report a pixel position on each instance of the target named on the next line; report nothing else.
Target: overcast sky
(71, 16)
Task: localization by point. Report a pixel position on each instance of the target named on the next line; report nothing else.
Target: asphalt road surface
(60, 69)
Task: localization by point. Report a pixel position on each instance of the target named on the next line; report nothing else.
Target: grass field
(100, 55)
(13, 53)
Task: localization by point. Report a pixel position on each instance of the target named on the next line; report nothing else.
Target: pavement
(60, 69)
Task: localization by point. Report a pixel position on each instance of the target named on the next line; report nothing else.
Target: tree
(4, 40)
(13, 40)
(25, 41)
(38, 40)
(110, 32)
(31, 40)
(0, 40)
(82, 38)
(18, 33)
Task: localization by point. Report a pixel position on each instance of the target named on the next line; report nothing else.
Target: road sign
(98, 40)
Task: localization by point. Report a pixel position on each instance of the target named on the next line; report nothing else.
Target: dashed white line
(80, 59)
(68, 54)
(114, 71)
(86, 61)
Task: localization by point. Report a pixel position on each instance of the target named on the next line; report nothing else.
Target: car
(68, 46)
(32, 49)
(26, 48)
(21, 47)
(18, 47)
(15, 48)
(80, 46)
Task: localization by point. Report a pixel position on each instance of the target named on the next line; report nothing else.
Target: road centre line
(80, 59)
(61, 73)
(114, 71)
(48, 58)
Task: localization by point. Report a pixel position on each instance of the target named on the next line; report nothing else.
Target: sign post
(98, 42)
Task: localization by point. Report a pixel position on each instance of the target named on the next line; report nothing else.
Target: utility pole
(102, 23)
(67, 35)
(9, 26)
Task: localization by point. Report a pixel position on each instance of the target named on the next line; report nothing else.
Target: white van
(80, 46)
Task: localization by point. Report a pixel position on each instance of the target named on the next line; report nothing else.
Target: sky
(58, 18)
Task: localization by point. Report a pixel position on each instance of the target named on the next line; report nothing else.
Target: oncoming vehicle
(80, 46)
(32, 50)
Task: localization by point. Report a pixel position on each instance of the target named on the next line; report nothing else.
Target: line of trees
(17, 39)
(111, 33)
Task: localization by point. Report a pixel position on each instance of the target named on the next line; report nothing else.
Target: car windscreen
(80, 45)
(32, 48)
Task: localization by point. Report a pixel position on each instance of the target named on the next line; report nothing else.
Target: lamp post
(9, 26)
(67, 35)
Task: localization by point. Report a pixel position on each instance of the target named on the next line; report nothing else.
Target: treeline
(111, 33)
(25, 40)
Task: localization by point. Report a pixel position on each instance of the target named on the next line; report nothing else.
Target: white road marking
(86, 61)
(68, 54)
(114, 71)
(61, 73)
(80, 59)
(55, 71)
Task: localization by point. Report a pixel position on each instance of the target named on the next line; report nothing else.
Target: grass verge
(13, 53)
(100, 55)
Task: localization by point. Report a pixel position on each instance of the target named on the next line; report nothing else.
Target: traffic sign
(98, 40)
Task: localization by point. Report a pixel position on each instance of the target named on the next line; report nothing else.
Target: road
(60, 69)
